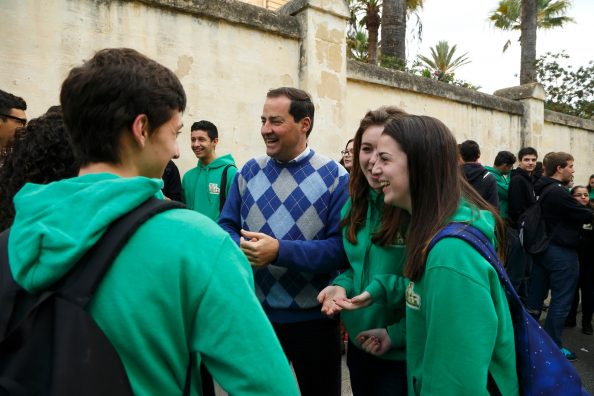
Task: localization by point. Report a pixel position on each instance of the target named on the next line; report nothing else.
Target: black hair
(527, 151)
(469, 150)
(208, 127)
(504, 158)
(40, 153)
(301, 104)
(9, 101)
(101, 99)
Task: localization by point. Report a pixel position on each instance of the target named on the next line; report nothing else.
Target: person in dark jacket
(476, 174)
(172, 187)
(586, 278)
(520, 197)
(557, 267)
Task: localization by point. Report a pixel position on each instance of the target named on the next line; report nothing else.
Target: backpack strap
(223, 192)
(481, 244)
(8, 287)
(81, 282)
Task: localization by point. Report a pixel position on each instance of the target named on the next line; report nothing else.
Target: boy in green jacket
(504, 163)
(180, 286)
(206, 186)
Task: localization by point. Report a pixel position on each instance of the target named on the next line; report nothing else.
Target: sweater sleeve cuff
(377, 291)
(345, 282)
(397, 333)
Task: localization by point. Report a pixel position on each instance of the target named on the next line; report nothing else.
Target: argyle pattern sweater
(299, 204)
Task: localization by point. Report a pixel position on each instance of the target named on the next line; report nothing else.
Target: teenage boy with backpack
(206, 186)
(176, 293)
(557, 267)
(520, 198)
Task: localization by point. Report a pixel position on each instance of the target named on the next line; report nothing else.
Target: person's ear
(305, 124)
(140, 129)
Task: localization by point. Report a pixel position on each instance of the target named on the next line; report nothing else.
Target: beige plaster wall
(494, 130)
(226, 69)
(576, 141)
(228, 54)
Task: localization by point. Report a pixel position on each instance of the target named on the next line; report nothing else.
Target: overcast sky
(465, 23)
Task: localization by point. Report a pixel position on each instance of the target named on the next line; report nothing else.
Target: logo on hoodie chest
(213, 188)
(413, 300)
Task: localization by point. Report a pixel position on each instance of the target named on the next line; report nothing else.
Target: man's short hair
(551, 161)
(101, 99)
(9, 101)
(301, 104)
(524, 151)
(504, 158)
(469, 151)
(208, 127)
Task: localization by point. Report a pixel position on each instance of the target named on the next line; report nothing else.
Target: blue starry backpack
(542, 368)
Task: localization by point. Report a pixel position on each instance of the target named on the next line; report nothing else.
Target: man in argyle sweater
(283, 210)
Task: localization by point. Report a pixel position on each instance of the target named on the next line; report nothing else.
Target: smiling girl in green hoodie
(373, 237)
(459, 330)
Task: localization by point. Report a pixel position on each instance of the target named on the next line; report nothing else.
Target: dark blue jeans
(557, 268)
(373, 376)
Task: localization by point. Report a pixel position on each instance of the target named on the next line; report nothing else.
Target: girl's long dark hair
(393, 219)
(436, 185)
(40, 152)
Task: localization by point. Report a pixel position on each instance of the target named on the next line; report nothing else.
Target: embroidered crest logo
(213, 188)
(413, 300)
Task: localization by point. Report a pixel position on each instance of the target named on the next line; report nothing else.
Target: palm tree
(366, 13)
(549, 14)
(528, 42)
(442, 61)
(394, 17)
(357, 45)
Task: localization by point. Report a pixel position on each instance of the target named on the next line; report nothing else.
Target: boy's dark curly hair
(39, 153)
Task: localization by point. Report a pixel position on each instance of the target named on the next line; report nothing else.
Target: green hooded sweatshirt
(458, 323)
(367, 261)
(502, 188)
(202, 185)
(180, 286)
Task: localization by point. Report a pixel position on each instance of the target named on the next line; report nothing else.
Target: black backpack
(49, 344)
(223, 188)
(534, 234)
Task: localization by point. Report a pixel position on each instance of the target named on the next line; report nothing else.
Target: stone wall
(228, 53)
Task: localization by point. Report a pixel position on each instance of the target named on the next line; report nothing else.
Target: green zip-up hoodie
(202, 185)
(502, 188)
(179, 286)
(368, 261)
(458, 323)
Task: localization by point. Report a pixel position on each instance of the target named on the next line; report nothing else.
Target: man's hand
(357, 302)
(375, 341)
(327, 297)
(260, 249)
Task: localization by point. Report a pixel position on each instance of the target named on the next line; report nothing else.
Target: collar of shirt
(304, 154)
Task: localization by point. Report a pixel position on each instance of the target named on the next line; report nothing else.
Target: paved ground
(582, 345)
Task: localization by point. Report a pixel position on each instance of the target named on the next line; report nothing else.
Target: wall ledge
(364, 72)
(568, 120)
(234, 12)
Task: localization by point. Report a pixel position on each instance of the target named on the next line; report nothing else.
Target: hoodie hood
(542, 182)
(520, 172)
(474, 172)
(55, 224)
(218, 162)
(481, 219)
